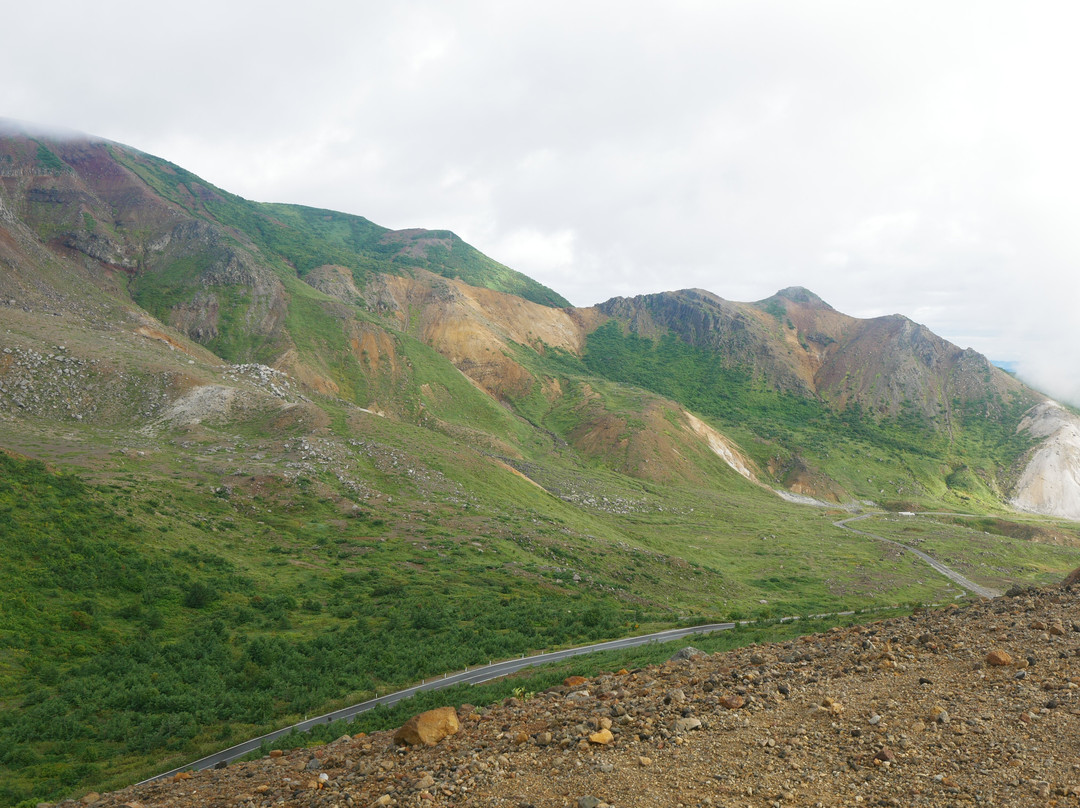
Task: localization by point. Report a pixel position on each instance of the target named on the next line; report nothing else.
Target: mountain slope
(336, 458)
(801, 381)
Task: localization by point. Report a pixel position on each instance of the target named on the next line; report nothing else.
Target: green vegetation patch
(1009, 554)
(525, 684)
(48, 160)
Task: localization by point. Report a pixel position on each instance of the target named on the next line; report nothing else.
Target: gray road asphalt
(951, 574)
(482, 674)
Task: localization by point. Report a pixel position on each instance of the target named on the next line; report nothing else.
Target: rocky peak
(800, 295)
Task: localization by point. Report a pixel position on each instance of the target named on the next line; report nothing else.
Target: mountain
(259, 460)
(800, 374)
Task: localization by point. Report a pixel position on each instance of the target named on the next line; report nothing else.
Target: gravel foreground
(957, 707)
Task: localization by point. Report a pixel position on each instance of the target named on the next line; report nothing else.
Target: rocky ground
(962, 706)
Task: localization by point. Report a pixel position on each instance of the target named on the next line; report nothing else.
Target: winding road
(476, 676)
(951, 574)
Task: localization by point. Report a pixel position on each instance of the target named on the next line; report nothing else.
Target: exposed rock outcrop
(1050, 483)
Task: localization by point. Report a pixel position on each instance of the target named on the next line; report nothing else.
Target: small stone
(875, 719)
(575, 681)
(832, 706)
(732, 702)
(1057, 630)
(276, 753)
(676, 696)
(91, 798)
(644, 761)
(603, 737)
(998, 658)
(588, 802)
(689, 652)
(424, 783)
(686, 724)
(385, 799)
(885, 755)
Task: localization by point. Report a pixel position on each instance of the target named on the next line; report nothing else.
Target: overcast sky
(911, 157)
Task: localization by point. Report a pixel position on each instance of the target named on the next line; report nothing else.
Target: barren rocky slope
(960, 706)
(1049, 483)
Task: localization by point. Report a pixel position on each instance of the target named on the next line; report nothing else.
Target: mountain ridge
(223, 271)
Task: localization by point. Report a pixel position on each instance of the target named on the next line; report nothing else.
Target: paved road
(949, 573)
(483, 674)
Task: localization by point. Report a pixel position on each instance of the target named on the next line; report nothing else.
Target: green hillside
(900, 458)
(303, 238)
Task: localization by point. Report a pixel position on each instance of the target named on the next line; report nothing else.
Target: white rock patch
(1050, 483)
(720, 446)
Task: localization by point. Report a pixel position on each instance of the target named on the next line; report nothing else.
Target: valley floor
(977, 705)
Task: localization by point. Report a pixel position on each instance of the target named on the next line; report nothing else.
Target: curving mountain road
(484, 674)
(951, 574)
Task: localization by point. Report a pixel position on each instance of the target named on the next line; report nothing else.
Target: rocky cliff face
(798, 343)
(1050, 482)
(475, 328)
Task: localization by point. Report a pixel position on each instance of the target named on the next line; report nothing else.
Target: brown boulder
(428, 728)
(999, 658)
(575, 681)
(732, 702)
(602, 737)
